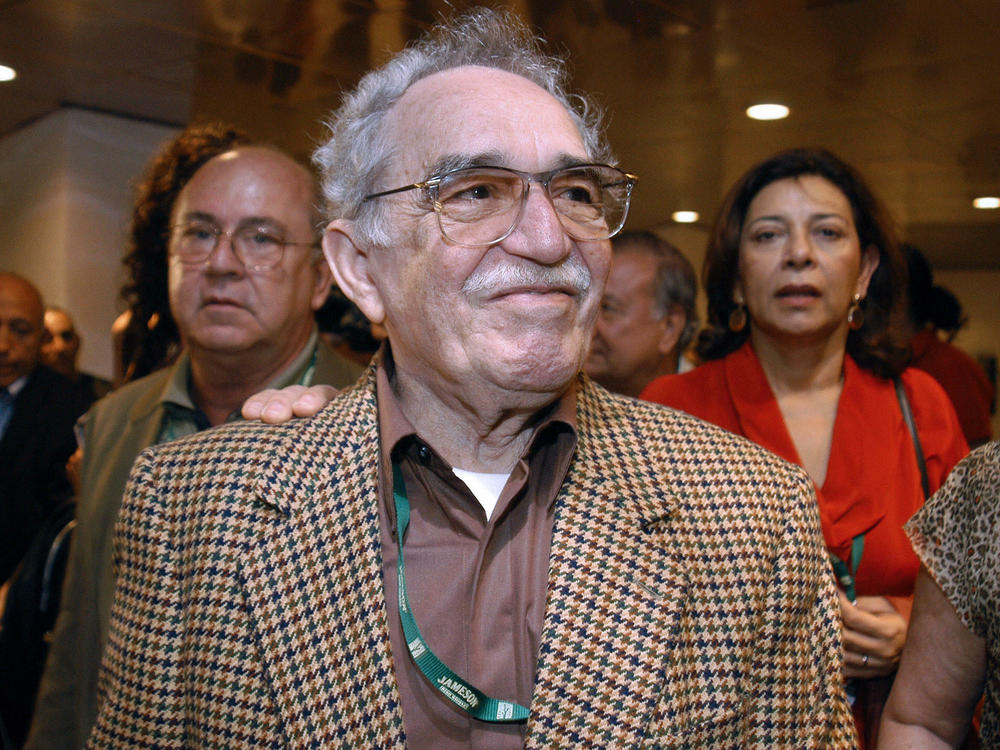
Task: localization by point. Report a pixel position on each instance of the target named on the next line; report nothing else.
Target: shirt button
(424, 454)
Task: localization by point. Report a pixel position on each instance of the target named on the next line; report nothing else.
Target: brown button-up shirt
(477, 586)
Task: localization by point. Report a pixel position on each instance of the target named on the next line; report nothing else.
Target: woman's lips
(797, 293)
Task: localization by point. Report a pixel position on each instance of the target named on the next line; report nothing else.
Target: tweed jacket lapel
(614, 588)
(314, 584)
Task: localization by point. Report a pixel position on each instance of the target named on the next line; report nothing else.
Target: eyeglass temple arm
(413, 186)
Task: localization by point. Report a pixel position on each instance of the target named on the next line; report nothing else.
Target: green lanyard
(468, 698)
(847, 576)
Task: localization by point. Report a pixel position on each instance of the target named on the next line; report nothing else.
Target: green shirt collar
(181, 417)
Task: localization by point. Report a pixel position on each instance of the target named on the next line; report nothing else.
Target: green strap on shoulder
(467, 697)
(847, 576)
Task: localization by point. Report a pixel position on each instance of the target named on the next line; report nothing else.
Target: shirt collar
(395, 428)
(18, 385)
(394, 425)
(178, 386)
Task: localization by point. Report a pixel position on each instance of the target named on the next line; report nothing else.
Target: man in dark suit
(61, 351)
(38, 408)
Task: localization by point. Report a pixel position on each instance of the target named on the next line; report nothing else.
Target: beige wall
(65, 199)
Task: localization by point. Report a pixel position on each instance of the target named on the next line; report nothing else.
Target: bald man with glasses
(243, 272)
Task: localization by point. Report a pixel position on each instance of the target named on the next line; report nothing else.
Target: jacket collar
(848, 507)
(152, 399)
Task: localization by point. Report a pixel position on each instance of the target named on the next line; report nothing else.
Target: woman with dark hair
(935, 317)
(145, 334)
(803, 276)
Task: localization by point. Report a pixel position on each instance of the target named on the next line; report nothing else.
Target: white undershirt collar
(486, 487)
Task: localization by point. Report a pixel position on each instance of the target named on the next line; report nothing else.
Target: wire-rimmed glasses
(258, 246)
(479, 206)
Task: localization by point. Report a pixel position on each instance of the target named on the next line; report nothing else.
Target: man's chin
(222, 340)
(536, 374)
(596, 367)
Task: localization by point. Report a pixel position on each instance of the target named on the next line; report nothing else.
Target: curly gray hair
(359, 150)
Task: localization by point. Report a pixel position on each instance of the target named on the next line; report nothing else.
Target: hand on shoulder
(277, 406)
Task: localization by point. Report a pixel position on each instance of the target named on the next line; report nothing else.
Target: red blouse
(872, 481)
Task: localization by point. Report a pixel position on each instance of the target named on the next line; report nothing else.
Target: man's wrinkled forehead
(258, 183)
(496, 158)
(476, 116)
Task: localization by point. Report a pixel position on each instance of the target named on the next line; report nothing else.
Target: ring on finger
(864, 660)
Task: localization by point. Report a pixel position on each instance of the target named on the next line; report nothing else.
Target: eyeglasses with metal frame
(259, 247)
(478, 206)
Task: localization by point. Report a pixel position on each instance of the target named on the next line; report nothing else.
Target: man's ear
(351, 265)
(673, 325)
(321, 283)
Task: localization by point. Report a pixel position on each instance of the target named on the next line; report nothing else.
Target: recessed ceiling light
(7, 73)
(987, 201)
(685, 217)
(767, 112)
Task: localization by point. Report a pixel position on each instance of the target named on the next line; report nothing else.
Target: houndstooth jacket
(689, 600)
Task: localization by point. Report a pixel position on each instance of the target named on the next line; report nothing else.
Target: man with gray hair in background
(581, 569)
(647, 316)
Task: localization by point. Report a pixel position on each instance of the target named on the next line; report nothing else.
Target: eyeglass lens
(258, 247)
(482, 205)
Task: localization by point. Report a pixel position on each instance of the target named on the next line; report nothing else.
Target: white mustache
(570, 274)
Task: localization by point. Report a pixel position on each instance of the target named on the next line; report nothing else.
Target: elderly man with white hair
(475, 546)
